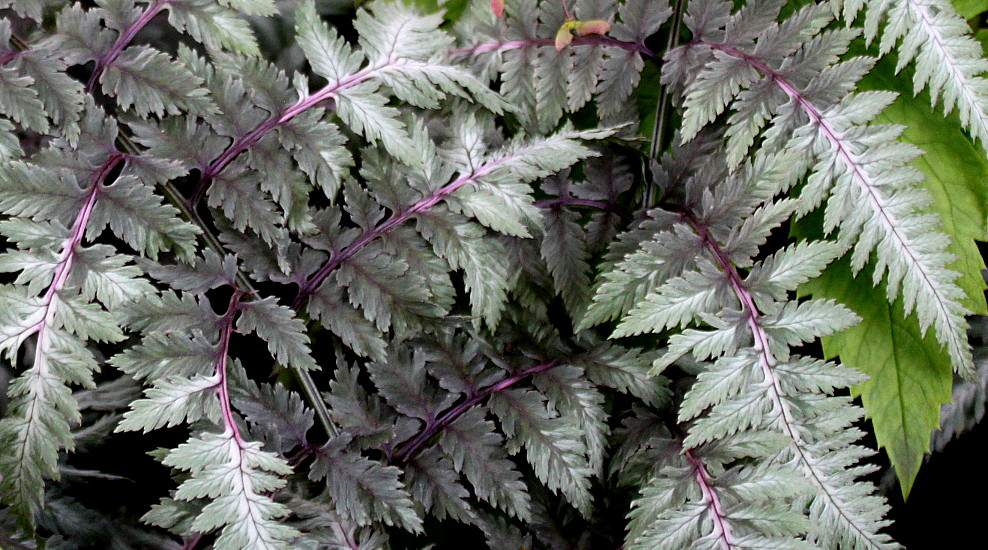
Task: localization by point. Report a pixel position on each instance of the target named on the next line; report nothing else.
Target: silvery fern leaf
(452, 222)
(278, 326)
(35, 87)
(279, 416)
(149, 81)
(238, 503)
(707, 498)
(433, 481)
(361, 489)
(53, 212)
(391, 290)
(214, 24)
(477, 451)
(548, 82)
(756, 384)
(872, 196)
(173, 401)
(554, 445)
(949, 61)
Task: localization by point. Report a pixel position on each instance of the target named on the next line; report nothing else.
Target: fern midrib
(409, 450)
(396, 219)
(222, 352)
(945, 318)
(49, 300)
(230, 429)
(10, 56)
(722, 530)
(247, 140)
(766, 361)
(123, 40)
(975, 107)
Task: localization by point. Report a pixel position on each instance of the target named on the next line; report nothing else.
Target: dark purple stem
(722, 530)
(766, 360)
(244, 142)
(572, 201)
(122, 41)
(396, 219)
(189, 542)
(591, 39)
(9, 56)
(407, 451)
(222, 391)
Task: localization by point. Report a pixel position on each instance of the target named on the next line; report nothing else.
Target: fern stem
(305, 380)
(767, 361)
(14, 54)
(9, 56)
(247, 140)
(122, 41)
(407, 451)
(226, 330)
(949, 324)
(572, 201)
(68, 252)
(662, 106)
(396, 219)
(968, 102)
(722, 530)
(32, 416)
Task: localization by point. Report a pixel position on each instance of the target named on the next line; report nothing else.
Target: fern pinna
(494, 292)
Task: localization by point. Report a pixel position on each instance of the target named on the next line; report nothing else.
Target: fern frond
(516, 164)
(873, 196)
(519, 49)
(756, 383)
(34, 87)
(233, 474)
(949, 61)
(400, 50)
(43, 406)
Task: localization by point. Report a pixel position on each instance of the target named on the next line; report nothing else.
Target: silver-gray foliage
(435, 240)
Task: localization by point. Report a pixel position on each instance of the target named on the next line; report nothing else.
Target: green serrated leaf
(970, 8)
(955, 173)
(910, 375)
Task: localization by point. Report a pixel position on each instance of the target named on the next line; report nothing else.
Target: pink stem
(395, 220)
(722, 530)
(229, 423)
(767, 362)
(68, 250)
(9, 56)
(408, 450)
(850, 159)
(765, 358)
(244, 142)
(123, 40)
